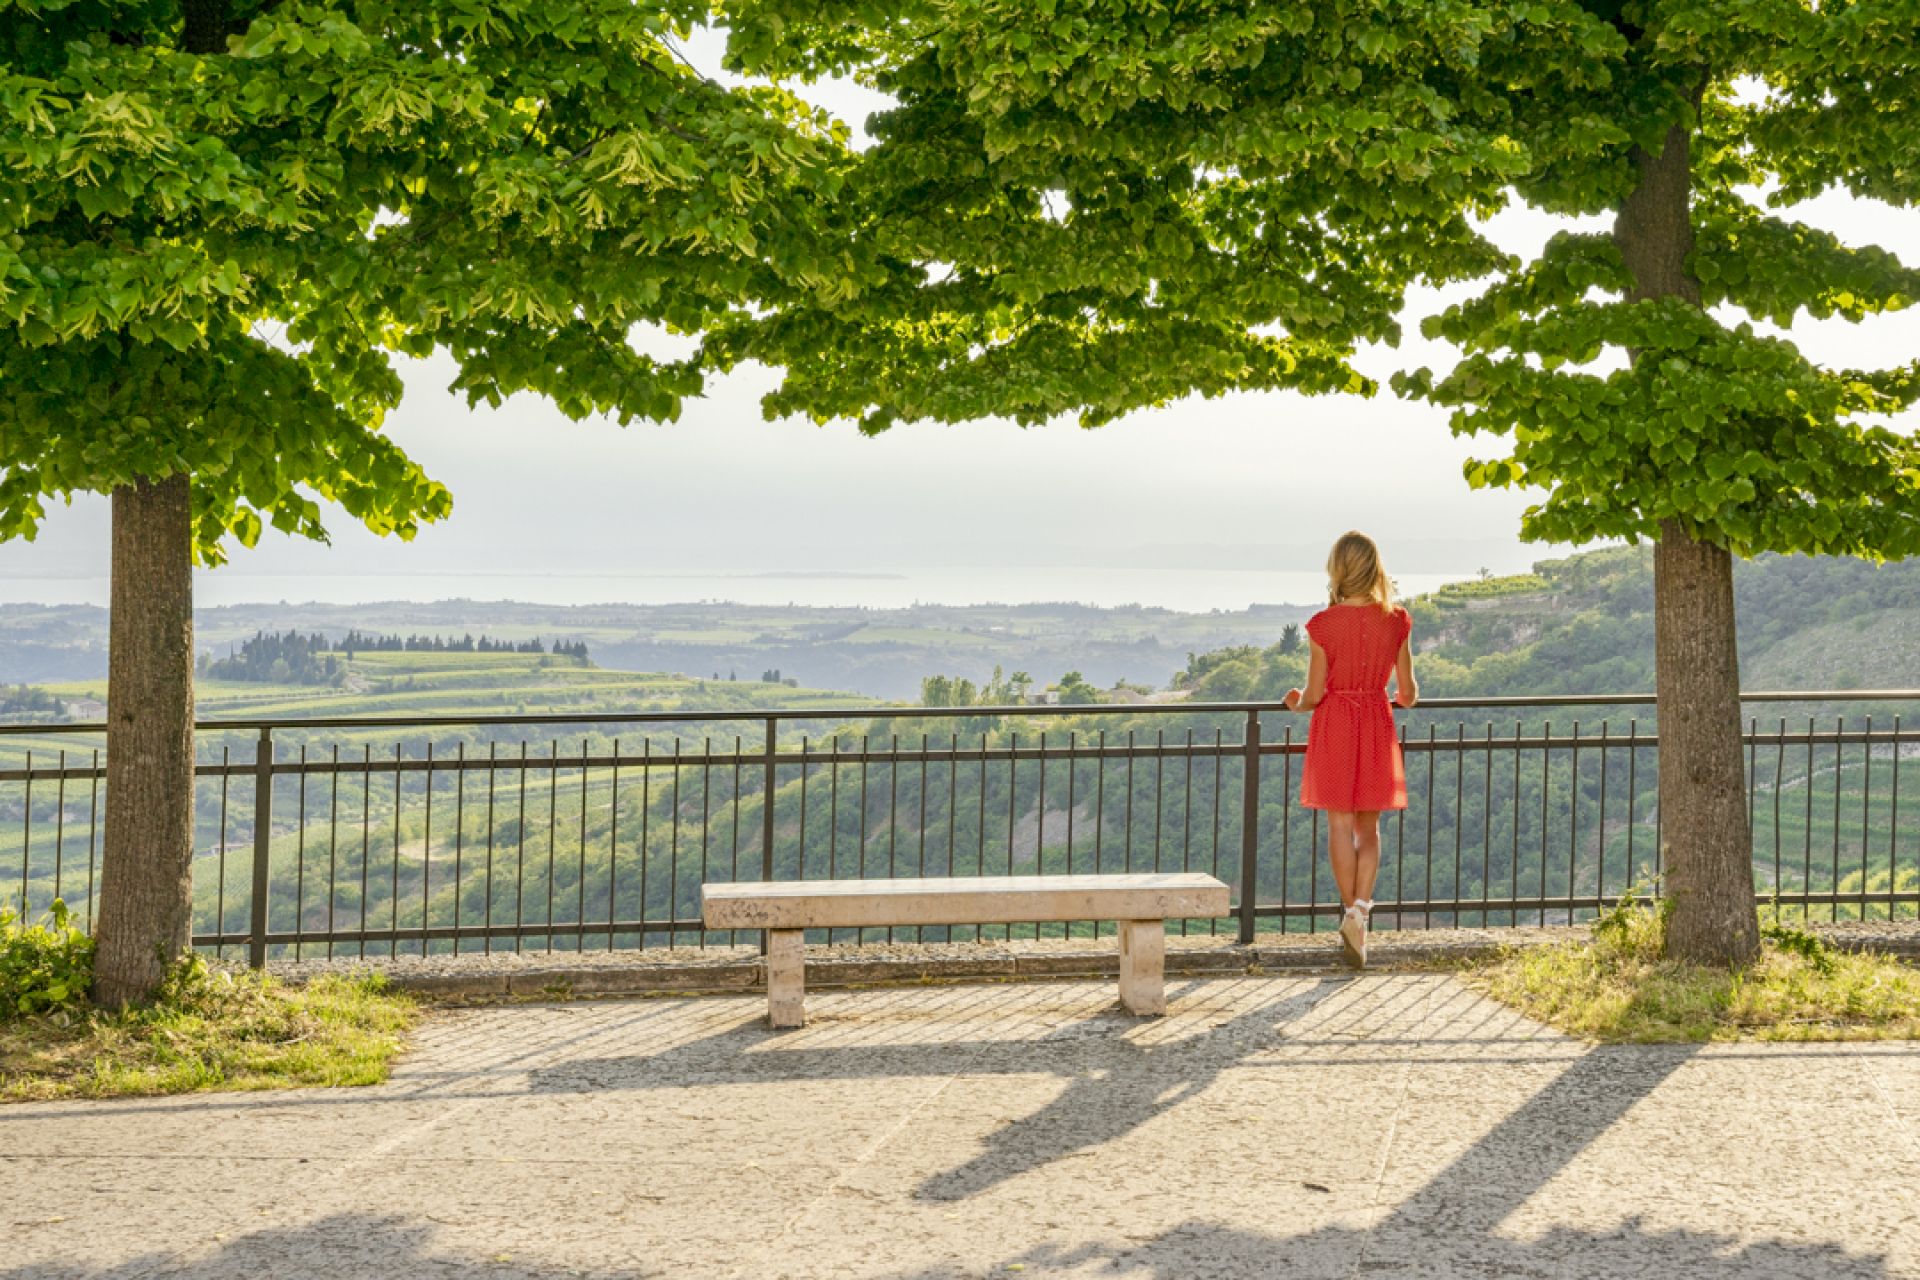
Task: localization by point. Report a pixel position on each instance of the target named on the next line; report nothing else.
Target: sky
(1203, 504)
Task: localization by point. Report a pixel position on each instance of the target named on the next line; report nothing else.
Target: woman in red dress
(1353, 767)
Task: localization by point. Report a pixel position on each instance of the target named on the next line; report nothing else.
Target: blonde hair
(1354, 572)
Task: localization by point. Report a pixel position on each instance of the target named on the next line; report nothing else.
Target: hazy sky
(1250, 482)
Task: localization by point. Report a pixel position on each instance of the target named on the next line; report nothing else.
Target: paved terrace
(1299, 1126)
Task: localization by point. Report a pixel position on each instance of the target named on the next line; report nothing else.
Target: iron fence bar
(59, 826)
(1633, 793)
(426, 849)
(1459, 801)
(1546, 787)
(646, 823)
(580, 878)
(300, 858)
(1600, 882)
(1486, 830)
(613, 838)
(1249, 826)
(1186, 821)
(93, 824)
(220, 889)
(1779, 778)
(262, 846)
(459, 836)
(1513, 857)
(366, 847)
(1426, 917)
(1806, 857)
(1213, 926)
(1573, 820)
(26, 841)
(1834, 883)
(553, 828)
(393, 891)
(706, 826)
(1866, 808)
(1893, 825)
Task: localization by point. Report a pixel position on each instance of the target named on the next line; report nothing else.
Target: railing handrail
(899, 711)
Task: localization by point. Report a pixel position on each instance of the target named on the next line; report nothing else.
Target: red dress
(1353, 754)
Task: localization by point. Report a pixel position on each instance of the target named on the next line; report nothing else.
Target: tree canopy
(1720, 423)
(1078, 207)
(218, 220)
(1088, 208)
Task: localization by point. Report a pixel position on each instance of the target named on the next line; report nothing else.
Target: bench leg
(1143, 954)
(786, 980)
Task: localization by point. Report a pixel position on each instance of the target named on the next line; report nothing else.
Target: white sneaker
(1353, 937)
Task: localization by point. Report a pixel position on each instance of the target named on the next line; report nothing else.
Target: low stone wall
(505, 975)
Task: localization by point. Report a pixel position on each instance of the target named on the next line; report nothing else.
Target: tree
(1076, 691)
(219, 219)
(1090, 208)
(1290, 638)
(1713, 439)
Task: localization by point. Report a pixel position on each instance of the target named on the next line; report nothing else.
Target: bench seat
(1140, 902)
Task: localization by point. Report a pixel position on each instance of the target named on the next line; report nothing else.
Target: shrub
(44, 967)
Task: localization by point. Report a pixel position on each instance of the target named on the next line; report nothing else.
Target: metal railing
(376, 836)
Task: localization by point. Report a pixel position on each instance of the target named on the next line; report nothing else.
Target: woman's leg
(1340, 852)
(1366, 855)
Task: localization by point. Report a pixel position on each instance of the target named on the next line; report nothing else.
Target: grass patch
(1619, 988)
(210, 1030)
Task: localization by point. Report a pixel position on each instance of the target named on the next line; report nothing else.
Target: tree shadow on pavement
(1450, 1226)
(346, 1246)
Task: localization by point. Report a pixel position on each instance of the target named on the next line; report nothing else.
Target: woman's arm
(1316, 689)
(1406, 688)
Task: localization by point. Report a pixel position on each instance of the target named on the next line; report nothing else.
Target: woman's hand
(1292, 700)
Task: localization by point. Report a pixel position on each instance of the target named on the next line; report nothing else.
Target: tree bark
(146, 887)
(1703, 803)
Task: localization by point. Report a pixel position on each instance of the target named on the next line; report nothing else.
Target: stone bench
(1142, 904)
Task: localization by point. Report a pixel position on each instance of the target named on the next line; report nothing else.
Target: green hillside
(1585, 625)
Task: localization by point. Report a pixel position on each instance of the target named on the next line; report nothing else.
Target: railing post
(262, 847)
(1250, 829)
(766, 808)
(766, 818)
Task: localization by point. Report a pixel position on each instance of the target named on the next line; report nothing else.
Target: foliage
(1619, 988)
(24, 703)
(1080, 207)
(211, 1030)
(291, 658)
(1075, 691)
(44, 967)
(1718, 423)
(217, 221)
(356, 641)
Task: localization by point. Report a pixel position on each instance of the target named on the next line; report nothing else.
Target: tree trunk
(146, 885)
(1703, 802)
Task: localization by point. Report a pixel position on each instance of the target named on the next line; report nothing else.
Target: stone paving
(1281, 1126)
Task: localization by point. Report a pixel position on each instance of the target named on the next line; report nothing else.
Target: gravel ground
(1299, 1126)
